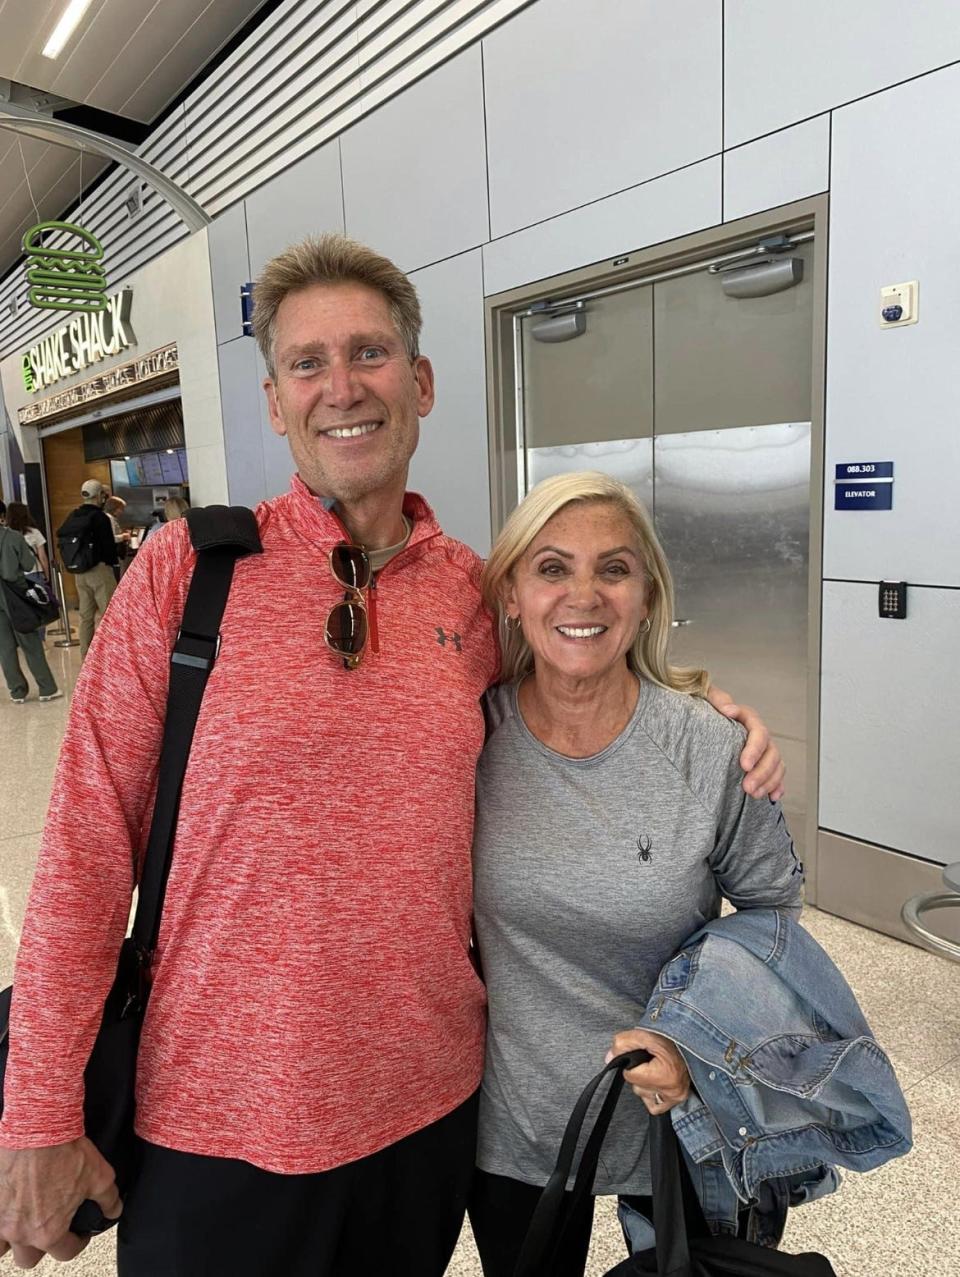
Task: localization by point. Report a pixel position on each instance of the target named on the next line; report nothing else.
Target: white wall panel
(278, 463)
(894, 395)
(450, 464)
(307, 199)
(583, 101)
(889, 745)
(788, 165)
(781, 69)
(240, 394)
(414, 172)
(663, 209)
(208, 475)
(229, 269)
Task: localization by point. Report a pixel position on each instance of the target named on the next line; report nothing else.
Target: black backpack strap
(221, 535)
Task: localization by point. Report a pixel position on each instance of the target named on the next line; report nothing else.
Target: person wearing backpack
(16, 559)
(89, 552)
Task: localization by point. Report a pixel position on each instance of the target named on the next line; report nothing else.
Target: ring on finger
(657, 1098)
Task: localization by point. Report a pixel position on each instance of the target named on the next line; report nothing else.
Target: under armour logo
(645, 854)
(443, 639)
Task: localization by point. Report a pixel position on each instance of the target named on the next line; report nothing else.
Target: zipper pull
(372, 612)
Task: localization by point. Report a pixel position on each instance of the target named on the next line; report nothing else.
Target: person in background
(20, 520)
(173, 508)
(610, 822)
(3, 513)
(96, 585)
(113, 507)
(16, 560)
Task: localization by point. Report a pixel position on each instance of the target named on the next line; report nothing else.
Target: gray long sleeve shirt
(589, 875)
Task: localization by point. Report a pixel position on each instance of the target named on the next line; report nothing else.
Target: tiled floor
(900, 1221)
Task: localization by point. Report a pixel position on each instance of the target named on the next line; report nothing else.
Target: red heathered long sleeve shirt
(313, 998)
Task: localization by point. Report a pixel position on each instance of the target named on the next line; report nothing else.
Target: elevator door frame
(505, 406)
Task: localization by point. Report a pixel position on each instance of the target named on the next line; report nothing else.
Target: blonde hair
(332, 259)
(174, 508)
(647, 656)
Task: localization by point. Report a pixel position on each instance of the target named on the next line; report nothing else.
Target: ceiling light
(65, 27)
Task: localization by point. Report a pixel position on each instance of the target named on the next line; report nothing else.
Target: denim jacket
(790, 1082)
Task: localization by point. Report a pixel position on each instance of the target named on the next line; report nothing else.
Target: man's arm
(760, 758)
(79, 903)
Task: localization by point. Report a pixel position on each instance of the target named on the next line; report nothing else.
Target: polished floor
(900, 1221)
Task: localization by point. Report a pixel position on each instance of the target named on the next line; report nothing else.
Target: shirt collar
(323, 526)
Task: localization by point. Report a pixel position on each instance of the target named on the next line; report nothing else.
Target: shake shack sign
(86, 340)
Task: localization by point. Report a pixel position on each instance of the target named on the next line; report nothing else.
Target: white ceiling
(128, 57)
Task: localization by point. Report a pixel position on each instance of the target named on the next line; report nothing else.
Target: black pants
(500, 1212)
(398, 1211)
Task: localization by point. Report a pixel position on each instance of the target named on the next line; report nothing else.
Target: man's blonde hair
(332, 259)
(648, 655)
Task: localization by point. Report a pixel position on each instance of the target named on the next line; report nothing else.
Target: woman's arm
(754, 860)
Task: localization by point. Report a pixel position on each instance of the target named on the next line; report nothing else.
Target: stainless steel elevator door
(588, 402)
(701, 403)
(732, 387)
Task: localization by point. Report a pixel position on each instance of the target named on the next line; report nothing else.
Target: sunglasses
(346, 629)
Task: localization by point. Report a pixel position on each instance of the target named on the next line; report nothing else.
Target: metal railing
(915, 909)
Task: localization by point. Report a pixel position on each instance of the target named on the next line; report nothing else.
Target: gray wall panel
(889, 744)
(229, 269)
(894, 395)
(242, 437)
(580, 106)
(663, 209)
(450, 465)
(786, 166)
(414, 172)
(831, 54)
(305, 200)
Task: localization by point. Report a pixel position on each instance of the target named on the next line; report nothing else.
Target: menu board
(152, 469)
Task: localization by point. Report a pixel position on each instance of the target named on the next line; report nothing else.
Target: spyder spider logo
(645, 844)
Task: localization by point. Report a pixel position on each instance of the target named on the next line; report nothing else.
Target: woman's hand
(664, 1080)
(760, 758)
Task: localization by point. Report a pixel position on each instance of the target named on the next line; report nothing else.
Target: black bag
(29, 605)
(75, 540)
(685, 1247)
(221, 535)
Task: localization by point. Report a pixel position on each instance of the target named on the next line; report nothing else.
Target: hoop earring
(645, 628)
(512, 622)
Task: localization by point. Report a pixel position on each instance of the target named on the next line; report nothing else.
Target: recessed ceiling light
(65, 28)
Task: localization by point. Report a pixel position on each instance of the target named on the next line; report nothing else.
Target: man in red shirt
(306, 1088)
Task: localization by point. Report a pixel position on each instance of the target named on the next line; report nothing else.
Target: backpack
(75, 541)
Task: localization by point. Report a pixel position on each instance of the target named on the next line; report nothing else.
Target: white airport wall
(495, 144)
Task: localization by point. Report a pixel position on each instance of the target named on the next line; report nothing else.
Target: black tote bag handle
(548, 1225)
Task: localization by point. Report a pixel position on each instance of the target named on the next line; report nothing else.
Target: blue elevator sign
(863, 485)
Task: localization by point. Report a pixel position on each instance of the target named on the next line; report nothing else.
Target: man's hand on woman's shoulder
(760, 758)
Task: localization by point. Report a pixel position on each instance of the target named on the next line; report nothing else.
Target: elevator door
(700, 402)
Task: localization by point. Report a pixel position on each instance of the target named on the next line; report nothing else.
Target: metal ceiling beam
(21, 119)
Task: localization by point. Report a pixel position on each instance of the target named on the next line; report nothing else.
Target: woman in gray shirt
(610, 822)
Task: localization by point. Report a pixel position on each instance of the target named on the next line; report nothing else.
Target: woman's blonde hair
(647, 656)
(174, 508)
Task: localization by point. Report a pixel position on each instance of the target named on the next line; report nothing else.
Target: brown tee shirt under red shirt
(313, 997)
